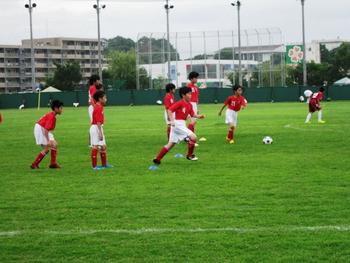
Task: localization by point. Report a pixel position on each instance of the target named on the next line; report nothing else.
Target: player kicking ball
(315, 105)
(44, 137)
(234, 103)
(97, 137)
(179, 132)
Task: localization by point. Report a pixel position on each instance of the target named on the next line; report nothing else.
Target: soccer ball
(307, 93)
(301, 99)
(267, 140)
(159, 102)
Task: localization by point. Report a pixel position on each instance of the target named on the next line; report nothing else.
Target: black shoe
(156, 162)
(192, 158)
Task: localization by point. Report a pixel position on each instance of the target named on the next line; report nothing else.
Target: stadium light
(30, 6)
(304, 43)
(167, 10)
(98, 8)
(240, 76)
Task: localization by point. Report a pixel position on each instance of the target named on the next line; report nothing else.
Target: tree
(122, 66)
(66, 76)
(119, 44)
(342, 58)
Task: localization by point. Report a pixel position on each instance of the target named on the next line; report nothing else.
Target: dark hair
(322, 89)
(93, 79)
(98, 95)
(184, 90)
(56, 104)
(193, 75)
(169, 87)
(236, 87)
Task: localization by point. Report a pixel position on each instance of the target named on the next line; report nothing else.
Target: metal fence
(214, 55)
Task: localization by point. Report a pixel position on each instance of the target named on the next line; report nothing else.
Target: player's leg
(319, 115)
(191, 126)
(231, 131)
(168, 131)
(308, 117)
(40, 140)
(191, 145)
(94, 152)
(53, 162)
(163, 152)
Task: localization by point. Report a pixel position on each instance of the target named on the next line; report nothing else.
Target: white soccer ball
(267, 140)
(159, 102)
(301, 98)
(307, 93)
(21, 107)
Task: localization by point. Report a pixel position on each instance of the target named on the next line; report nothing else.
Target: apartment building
(15, 61)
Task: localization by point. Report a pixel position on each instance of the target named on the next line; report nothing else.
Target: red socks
(39, 158)
(103, 154)
(168, 132)
(191, 145)
(162, 153)
(94, 157)
(191, 127)
(53, 155)
(230, 134)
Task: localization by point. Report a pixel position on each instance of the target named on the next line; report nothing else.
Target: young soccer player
(315, 105)
(44, 137)
(169, 100)
(234, 103)
(95, 85)
(97, 137)
(193, 78)
(182, 109)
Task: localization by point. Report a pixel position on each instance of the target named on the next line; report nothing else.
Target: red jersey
(169, 100)
(48, 121)
(98, 115)
(235, 103)
(316, 98)
(92, 91)
(182, 110)
(195, 92)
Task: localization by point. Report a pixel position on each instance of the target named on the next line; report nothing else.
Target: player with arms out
(44, 137)
(97, 137)
(234, 103)
(169, 100)
(179, 132)
(315, 105)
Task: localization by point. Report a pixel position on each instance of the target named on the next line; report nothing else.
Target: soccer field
(248, 202)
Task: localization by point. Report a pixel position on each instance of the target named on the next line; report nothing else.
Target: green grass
(270, 193)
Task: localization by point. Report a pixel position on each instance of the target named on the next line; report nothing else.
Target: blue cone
(179, 155)
(153, 168)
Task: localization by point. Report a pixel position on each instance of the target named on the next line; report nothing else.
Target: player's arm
(198, 116)
(224, 106)
(46, 134)
(244, 103)
(100, 132)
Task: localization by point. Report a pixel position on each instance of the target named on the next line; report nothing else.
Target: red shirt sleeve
(175, 106)
(50, 122)
(228, 101)
(243, 103)
(98, 115)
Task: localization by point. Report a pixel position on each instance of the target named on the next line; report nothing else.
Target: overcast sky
(76, 18)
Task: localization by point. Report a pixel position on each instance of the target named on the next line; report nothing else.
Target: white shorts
(167, 121)
(91, 110)
(94, 138)
(179, 132)
(231, 117)
(39, 134)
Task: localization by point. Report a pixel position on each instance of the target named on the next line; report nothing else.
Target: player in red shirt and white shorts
(179, 132)
(97, 137)
(44, 137)
(193, 78)
(95, 85)
(169, 100)
(234, 103)
(315, 105)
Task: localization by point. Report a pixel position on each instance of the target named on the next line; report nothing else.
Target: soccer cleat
(108, 166)
(203, 139)
(232, 142)
(196, 145)
(321, 122)
(192, 158)
(156, 162)
(98, 168)
(33, 166)
(308, 122)
(54, 166)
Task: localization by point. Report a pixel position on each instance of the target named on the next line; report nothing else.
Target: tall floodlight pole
(98, 8)
(167, 10)
(304, 44)
(30, 6)
(240, 75)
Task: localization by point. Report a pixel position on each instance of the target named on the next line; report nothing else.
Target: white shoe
(192, 158)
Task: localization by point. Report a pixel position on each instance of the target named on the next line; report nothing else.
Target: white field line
(143, 231)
